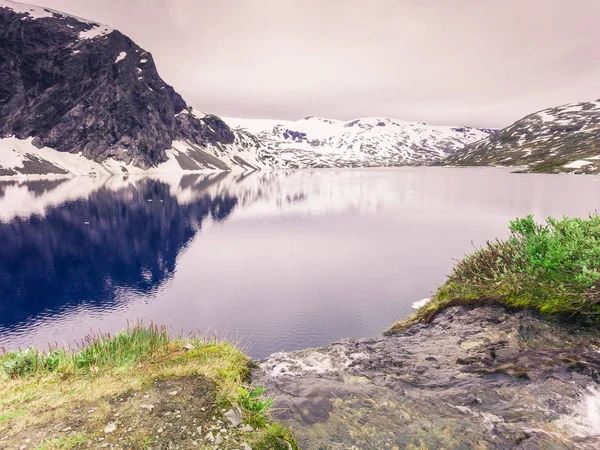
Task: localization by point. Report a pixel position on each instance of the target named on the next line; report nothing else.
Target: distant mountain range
(79, 98)
(367, 142)
(555, 140)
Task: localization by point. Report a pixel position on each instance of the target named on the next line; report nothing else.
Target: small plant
(253, 400)
(99, 350)
(21, 363)
(553, 267)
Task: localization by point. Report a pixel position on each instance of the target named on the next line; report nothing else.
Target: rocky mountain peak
(79, 86)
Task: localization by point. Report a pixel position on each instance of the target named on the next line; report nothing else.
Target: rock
(234, 416)
(245, 446)
(199, 430)
(37, 142)
(525, 376)
(73, 94)
(246, 428)
(219, 439)
(285, 443)
(210, 437)
(148, 407)
(110, 428)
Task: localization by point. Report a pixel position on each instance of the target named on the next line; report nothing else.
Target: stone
(234, 416)
(110, 428)
(68, 94)
(524, 375)
(285, 443)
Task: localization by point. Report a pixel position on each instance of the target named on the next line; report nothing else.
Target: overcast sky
(471, 62)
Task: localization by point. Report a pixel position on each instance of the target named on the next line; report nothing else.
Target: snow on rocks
(95, 31)
(366, 142)
(34, 12)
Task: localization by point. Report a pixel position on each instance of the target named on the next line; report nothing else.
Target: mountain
(79, 97)
(561, 139)
(366, 142)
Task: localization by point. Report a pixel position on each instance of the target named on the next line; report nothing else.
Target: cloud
(439, 61)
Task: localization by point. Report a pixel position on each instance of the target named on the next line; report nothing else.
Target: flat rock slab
(474, 378)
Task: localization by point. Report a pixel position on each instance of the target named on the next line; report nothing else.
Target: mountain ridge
(84, 89)
(362, 142)
(560, 139)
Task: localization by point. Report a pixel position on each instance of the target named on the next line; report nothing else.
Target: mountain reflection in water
(87, 248)
(282, 260)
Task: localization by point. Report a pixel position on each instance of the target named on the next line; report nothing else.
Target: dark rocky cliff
(77, 86)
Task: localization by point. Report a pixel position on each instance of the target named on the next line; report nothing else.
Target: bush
(553, 268)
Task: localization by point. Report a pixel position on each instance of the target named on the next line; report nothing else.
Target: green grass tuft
(39, 388)
(97, 351)
(552, 268)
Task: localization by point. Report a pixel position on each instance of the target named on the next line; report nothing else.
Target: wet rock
(497, 378)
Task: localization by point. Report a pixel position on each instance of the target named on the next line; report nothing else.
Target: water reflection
(282, 259)
(86, 249)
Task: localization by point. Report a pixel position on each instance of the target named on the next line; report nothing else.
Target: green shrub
(253, 400)
(553, 268)
(102, 350)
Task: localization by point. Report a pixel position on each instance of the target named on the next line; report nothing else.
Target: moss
(40, 390)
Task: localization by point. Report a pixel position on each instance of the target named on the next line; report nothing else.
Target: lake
(276, 260)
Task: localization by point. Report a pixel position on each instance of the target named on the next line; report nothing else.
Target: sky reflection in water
(280, 260)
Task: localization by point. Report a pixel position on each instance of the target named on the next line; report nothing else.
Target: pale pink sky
(472, 62)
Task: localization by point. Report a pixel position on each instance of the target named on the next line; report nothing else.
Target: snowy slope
(365, 142)
(561, 139)
(20, 157)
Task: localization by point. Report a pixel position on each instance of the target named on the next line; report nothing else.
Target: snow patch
(35, 12)
(420, 303)
(96, 31)
(577, 164)
(121, 57)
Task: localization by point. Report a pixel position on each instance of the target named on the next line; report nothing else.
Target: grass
(552, 268)
(41, 389)
(64, 442)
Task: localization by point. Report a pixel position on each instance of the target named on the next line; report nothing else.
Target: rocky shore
(473, 378)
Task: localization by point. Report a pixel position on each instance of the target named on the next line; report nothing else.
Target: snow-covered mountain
(366, 142)
(561, 139)
(78, 97)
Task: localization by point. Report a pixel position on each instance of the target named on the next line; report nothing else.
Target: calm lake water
(280, 260)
